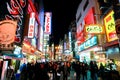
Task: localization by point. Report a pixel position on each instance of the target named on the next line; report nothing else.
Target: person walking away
(113, 71)
(84, 71)
(101, 71)
(43, 72)
(58, 70)
(65, 71)
(54, 71)
(78, 69)
(17, 75)
(94, 70)
(23, 72)
(50, 70)
(10, 73)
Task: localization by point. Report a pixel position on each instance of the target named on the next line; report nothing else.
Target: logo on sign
(7, 31)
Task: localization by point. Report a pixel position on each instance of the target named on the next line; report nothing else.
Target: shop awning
(9, 54)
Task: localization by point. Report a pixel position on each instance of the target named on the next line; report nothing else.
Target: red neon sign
(48, 23)
(15, 9)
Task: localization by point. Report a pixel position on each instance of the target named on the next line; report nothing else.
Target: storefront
(113, 52)
(89, 50)
(112, 45)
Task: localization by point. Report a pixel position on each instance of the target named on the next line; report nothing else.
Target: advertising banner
(88, 19)
(109, 23)
(27, 47)
(31, 25)
(94, 29)
(14, 10)
(7, 31)
(48, 23)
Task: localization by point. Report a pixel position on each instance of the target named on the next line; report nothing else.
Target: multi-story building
(101, 46)
(88, 13)
(30, 19)
(111, 9)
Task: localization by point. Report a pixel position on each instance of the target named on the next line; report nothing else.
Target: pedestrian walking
(78, 70)
(101, 71)
(84, 71)
(94, 70)
(58, 70)
(65, 71)
(10, 73)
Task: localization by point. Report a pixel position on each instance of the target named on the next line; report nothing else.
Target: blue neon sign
(89, 43)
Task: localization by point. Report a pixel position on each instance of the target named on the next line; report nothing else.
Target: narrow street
(59, 39)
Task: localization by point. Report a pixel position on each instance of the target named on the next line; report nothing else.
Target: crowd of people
(61, 70)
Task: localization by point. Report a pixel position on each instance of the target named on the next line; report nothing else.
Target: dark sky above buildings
(63, 12)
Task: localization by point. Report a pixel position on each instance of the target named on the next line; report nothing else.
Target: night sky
(63, 13)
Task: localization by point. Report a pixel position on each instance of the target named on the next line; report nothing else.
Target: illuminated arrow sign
(94, 29)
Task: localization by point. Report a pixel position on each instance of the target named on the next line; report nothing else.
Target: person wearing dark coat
(78, 70)
(58, 71)
(65, 71)
(94, 70)
(101, 71)
(84, 71)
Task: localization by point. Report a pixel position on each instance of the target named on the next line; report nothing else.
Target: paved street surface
(72, 76)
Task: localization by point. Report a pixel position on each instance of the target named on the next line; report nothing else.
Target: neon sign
(109, 23)
(31, 25)
(94, 29)
(48, 22)
(89, 43)
(7, 31)
(16, 11)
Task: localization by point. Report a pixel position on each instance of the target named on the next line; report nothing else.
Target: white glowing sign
(48, 23)
(31, 25)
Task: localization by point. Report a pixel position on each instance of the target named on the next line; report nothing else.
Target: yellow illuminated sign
(109, 23)
(94, 29)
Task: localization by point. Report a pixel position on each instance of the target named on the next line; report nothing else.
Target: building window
(79, 17)
(86, 4)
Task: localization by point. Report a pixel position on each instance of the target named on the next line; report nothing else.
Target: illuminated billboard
(48, 16)
(31, 25)
(88, 19)
(94, 29)
(89, 43)
(41, 39)
(109, 23)
(80, 33)
(15, 9)
(7, 31)
(41, 30)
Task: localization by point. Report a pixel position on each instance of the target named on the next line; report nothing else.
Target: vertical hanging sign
(31, 25)
(109, 23)
(47, 23)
